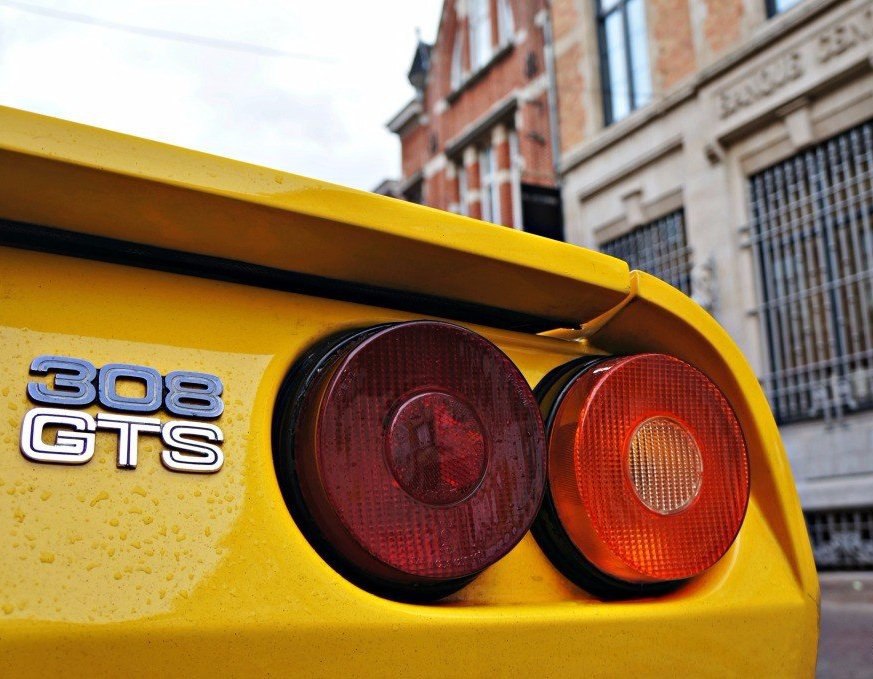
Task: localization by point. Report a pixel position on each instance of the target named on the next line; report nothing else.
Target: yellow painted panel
(109, 571)
(73, 177)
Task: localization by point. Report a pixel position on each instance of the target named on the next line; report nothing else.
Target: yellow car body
(117, 249)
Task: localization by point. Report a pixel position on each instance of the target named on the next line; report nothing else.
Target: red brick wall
(570, 82)
(723, 25)
(565, 18)
(535, 144)
(673, 42)
(436, 191)
(508, 75)
(679, 47)
(413, 150)
(501, 79)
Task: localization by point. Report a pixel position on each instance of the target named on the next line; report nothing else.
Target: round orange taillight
(648, 471)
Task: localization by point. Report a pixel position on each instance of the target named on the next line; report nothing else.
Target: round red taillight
(648, 470)
(418, 456)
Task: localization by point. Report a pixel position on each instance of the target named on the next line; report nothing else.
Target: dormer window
(420, 67)
(480, 33)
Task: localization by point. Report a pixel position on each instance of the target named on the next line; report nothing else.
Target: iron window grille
(659, 248)
(624, 59)
(812, 239)
(841, 538)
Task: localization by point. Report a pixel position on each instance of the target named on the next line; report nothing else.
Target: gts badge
(191, 445)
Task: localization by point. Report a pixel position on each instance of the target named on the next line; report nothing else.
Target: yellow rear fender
(116, 250)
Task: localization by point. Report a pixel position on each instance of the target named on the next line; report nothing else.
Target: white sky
(322, 116)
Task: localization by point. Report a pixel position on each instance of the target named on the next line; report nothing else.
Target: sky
(305, 87)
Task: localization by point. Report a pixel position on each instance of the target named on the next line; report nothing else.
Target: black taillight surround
(308, 376)
(631, 439)
(290, 402)
(548, 530)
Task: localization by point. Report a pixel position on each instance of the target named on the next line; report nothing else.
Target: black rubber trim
(103, 249)
(548, 530)
(289, 404)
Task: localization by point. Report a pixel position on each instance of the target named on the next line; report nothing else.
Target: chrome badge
(191, 445)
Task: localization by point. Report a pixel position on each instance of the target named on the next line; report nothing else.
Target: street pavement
(845, 648)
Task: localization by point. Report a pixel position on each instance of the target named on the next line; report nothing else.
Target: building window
(480, 33)
(842, 539)
(627, 82)
(812, 239)
(457, 71)
(775, 7)
(463, 192)
(515, 179)
(490, 189)
(505, 24)
(659, 248)
(415, 193)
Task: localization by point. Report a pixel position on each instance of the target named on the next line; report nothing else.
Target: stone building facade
(478, 136)
(727, 147)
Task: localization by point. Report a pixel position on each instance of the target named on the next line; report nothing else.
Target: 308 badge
(191, 444)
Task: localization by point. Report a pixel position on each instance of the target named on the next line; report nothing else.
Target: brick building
(476, 137)
(727, 147)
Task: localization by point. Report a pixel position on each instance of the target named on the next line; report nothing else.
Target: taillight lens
(648, 474)
(417, 452)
